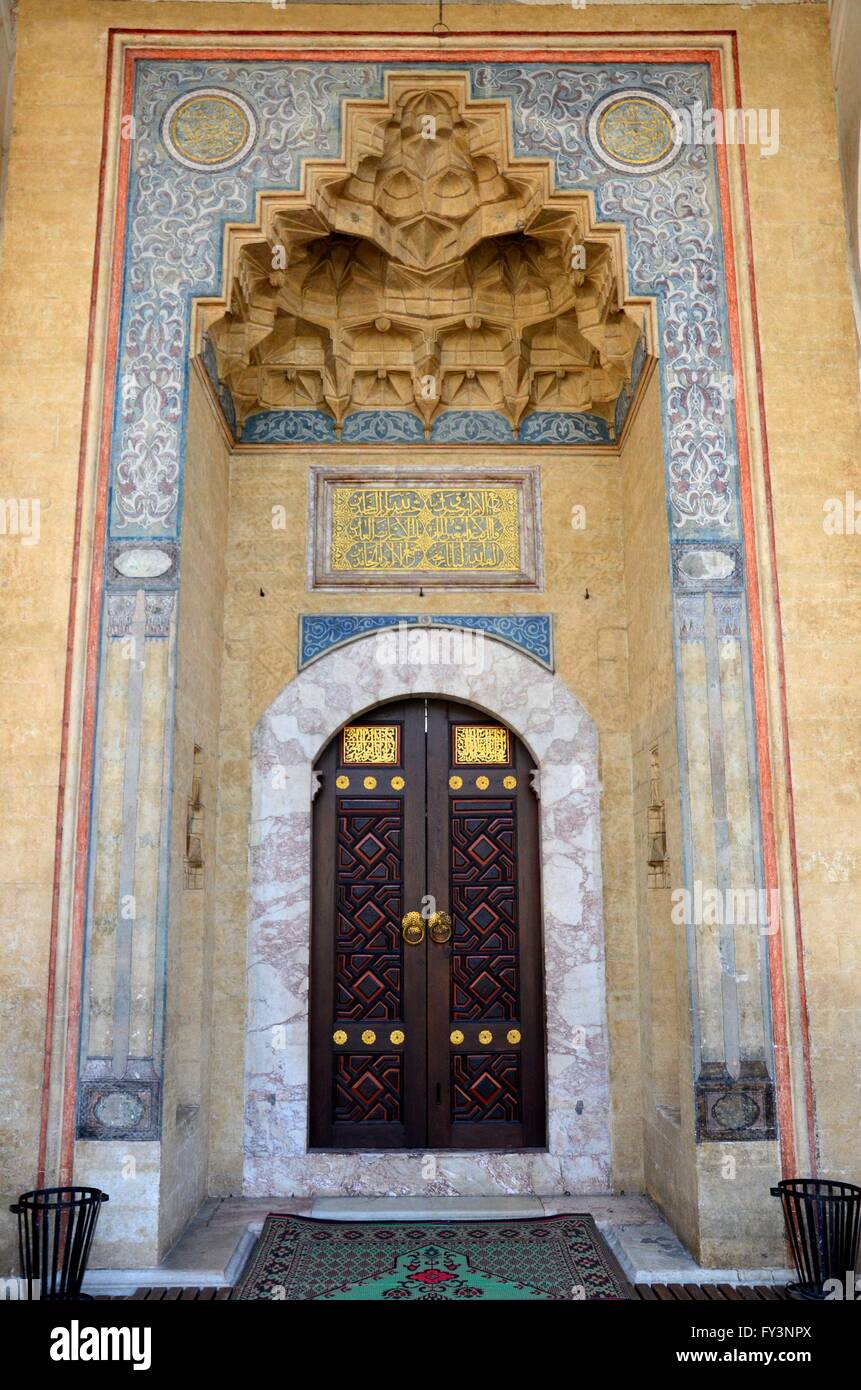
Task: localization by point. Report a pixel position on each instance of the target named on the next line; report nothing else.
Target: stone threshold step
(218, 1273)
(425, 1208)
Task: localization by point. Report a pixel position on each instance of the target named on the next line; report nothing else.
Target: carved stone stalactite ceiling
(427, 272)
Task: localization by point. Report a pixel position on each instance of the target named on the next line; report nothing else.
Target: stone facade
(670, 636)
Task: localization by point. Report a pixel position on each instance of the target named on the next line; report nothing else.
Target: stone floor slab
(216, 1244)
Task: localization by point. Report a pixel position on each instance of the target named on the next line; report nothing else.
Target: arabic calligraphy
(425, 528)
(634, 131)
(370, 743)
(480, 743)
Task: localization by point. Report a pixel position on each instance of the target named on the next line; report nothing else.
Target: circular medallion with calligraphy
(369, 783)
(342, 783)
(209, 129)
(634, 131)
(397, 784)
(482, 783)
(455, 783)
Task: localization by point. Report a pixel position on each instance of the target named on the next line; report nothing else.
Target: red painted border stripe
(757, 656)
(433, 55)
(50, 1002)
(76, 945)
(784, 710)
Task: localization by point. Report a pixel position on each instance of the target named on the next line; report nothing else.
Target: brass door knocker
(413, 928)
(439, 927)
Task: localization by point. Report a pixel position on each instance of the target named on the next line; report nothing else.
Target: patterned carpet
(552, 1258)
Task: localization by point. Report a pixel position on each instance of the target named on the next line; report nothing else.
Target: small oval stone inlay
(140, 563)
(707, 564)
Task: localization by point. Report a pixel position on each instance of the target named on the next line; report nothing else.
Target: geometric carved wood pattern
(367, 1072)
(485, 1087)
(369, 892)
(368, 1088)
(484, 979)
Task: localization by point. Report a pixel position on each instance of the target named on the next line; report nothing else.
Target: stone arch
(290, 735)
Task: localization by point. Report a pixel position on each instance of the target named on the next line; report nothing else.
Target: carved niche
(426, 271)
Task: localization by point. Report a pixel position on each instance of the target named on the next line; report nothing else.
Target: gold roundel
(513, 1035)
(509, 783)
(339, 1037)
(456, 1037)
(485, 1036)
(396, 1036)
(209, 129)
(369, 1036)
(397, 784)
(455, 783)
(369, 783)
(342, 783)
(482, 783)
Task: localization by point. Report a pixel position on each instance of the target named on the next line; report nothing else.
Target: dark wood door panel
(485, 995)
(438, 1044)
(368, 987)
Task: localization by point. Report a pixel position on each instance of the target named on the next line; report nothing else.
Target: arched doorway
(427, 1003)
(339, 688)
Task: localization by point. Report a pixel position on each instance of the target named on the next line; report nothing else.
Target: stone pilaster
(122, 1033)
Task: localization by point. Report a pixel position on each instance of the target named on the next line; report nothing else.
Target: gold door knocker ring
(439, 927)
(413, 928)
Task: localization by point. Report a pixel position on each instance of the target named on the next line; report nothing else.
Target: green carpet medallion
(555, 1257)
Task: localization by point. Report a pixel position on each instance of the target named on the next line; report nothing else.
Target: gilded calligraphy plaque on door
(480, 744)
(384, 527)
(371, 745)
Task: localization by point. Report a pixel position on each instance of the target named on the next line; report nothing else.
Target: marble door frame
(513, 688)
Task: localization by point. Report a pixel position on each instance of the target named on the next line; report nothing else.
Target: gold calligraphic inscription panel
(387, 525)
(371, 745)
(481, 744)
(425, 528)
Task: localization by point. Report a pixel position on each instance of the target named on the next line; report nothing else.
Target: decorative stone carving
(159, 612)
(700, 567)
(120, 611)
(429, 271)
(735, 1108)
(142, 563)
(120, 1107)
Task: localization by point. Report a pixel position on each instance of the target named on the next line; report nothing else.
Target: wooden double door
(427, 1001)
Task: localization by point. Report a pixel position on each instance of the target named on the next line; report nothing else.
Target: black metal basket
(823, 1224)
(55, 1231)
